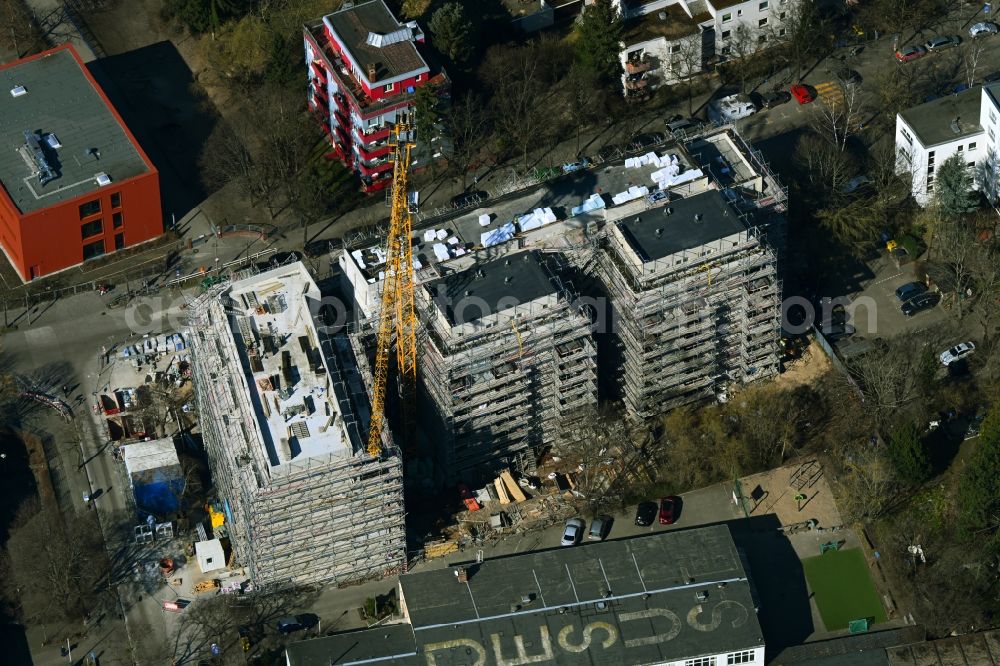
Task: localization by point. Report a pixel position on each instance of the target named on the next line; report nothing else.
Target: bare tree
(868, 481)
(597, 444)
(837, 120)
(518, 96)
(468, 127)
(743, 45)
(687, 62)
(892, 376)
(971, 57)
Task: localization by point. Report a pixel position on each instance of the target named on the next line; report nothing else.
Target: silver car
(572, 533)
(941, 43)
(983, 30)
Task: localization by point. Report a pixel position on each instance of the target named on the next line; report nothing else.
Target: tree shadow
(170, 115)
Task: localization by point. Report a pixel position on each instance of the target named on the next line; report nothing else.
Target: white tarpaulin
(497, 236)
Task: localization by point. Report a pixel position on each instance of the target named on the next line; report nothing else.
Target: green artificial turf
(843, 588)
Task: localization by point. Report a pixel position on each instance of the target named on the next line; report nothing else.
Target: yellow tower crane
(397, 317)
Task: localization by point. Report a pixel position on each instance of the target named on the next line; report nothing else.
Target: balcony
(638, 65)
(372, 134)
(373, 153)
(636, 82)
(374, 167)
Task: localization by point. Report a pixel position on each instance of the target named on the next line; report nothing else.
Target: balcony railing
(638, 66)
(636, 83)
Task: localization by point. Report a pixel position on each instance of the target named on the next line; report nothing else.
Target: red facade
(355, 111)
(105, 219)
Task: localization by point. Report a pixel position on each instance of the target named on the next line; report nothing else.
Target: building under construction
(284, 419)
(696, 301)
(506, 361)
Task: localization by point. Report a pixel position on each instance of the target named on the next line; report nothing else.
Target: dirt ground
(813, 364)
(772, 492)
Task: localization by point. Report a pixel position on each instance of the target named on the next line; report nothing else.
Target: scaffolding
(689, 324)
(330, 514)
(505, 386)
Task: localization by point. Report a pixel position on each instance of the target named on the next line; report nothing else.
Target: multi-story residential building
(507, 362)
(283, 416)
(74, 183)
(696, 301)
(364, 68)
(666, 41)
(680, 598)
(964, 124)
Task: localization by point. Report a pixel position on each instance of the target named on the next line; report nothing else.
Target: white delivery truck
(730, 108)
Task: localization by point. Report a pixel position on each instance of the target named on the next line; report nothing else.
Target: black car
(992, 78)
(467, 199)
(318, 248)
(909, 290)
(848, 75)
(645, 514)
(288, 625)
(920, 303)
(679, 127)
(775, 98)
(648, 140)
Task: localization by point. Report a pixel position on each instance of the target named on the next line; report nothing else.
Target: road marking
(831, 92)
(886, 279)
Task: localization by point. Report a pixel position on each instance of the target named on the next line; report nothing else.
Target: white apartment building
(668, 40)
(964, 124)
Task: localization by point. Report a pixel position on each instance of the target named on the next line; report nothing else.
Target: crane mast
(397, 314)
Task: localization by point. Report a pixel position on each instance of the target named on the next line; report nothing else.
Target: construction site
(680, 274)
(284, 420)
(508, 357)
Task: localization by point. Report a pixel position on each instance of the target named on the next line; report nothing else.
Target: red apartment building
(364, 69)
(74, 183)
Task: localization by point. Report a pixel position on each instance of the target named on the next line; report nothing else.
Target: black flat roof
(682, 224)
(389, 642)
(491, 287)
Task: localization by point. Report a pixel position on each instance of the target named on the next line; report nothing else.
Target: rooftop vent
(468, 292)
(508, 279)
(480, 273)
(527, 598)
(102, 179)
(378, 40)
(33, 142)
(956, 126)
(372, 71)
(668, 210)
(18, 91)
(697, 217)
(663, 16)
(94, 152)
(53, 141)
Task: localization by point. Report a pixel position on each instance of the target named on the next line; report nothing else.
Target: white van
(730, 108)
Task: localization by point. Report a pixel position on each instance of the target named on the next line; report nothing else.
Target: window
(119, 242)
(904, 156)
(91, 229)
(906, 135)
(117, 221)
(729, 17)
(744, 657)
(972, 146)
(992, 136)
(993, 117)
(116, 200)
(762, 6)
(782, 15)
(762, 38)
(726, 33)
(93, 250)
(781, 33)
(635, 55)
(762, 22)
(700, 661)
(90, 208)
(419, 76)
(971, 165)
(739, 12)
(675, 48)
(960, 148)
(389, 87)
(725, 50)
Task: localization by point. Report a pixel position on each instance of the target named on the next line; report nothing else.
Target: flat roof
(675, 24)
(650, 599)
(932, 121)
(691, 222)
(155, 454)
(389, 642)
(353, 26)
(63, 101)
(286, 370)
(491, 287)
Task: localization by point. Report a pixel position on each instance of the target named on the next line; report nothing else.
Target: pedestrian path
(830, 92)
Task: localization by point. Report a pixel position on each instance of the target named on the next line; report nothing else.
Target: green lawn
(843, 588)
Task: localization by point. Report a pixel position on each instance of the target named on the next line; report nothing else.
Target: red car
(802, 94)
(908, 53)
(668, 510)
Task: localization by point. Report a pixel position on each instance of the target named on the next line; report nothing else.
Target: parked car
(961, 87)
(775, 98)
(908, 53)
(975, 425)
(599, 528)
(645, 514)
(992, 78)
(920, 303)
(909, 290)
(646, 140)
(668, 510)
(572, 532)
(802, 94)
(957, 353)
(941, 43)
(289, 625)
(319, 248)
(856, 183)
(467, 199)
(681, 127)
(984, 29)
(283, 259)
(848, 75)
